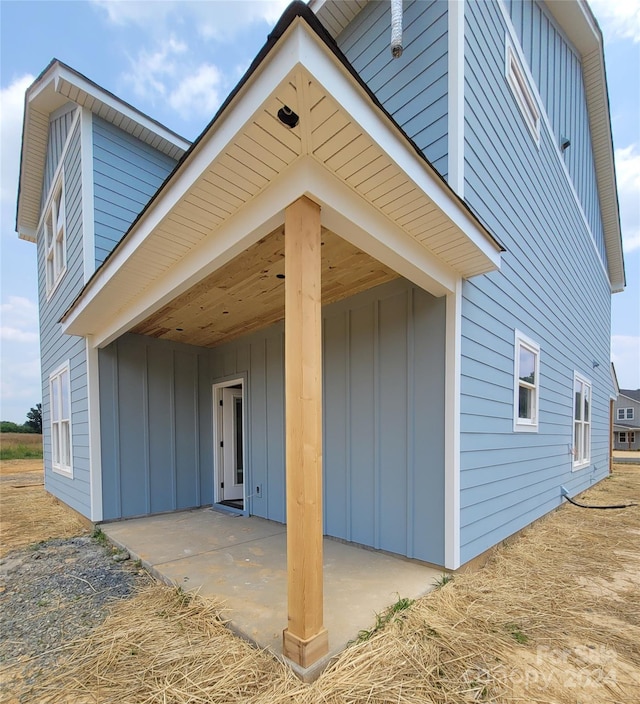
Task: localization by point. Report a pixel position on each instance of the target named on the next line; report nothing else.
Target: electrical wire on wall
(575, 503)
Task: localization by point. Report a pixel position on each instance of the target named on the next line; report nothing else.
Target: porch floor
(243, 562)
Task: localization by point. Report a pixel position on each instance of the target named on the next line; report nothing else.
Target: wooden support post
(305, 640)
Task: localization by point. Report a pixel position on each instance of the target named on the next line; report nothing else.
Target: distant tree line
(33, 424)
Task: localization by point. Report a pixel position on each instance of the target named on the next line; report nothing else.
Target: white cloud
(618, 18)
(625, 353)
(150, 71)
(11, 114)
(20, 378)
(199, 93)
(628, 176)
(218, 20)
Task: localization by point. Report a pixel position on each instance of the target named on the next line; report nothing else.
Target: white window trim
(519, 83)
(525, 425)
(58, 468)
(585, 462)
(626, 413)
(621, 413)
(50, 248)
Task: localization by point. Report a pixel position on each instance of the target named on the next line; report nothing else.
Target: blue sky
(177, 61)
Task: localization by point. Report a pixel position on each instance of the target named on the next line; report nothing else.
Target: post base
(305, 652)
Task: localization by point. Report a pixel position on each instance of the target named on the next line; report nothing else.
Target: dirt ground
(553, 617)
(28, 515)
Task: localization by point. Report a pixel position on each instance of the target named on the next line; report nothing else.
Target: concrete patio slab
(242, 561)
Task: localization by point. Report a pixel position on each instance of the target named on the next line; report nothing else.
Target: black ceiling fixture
(287, 116)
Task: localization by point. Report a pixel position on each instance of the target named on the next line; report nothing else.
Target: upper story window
(60, 411)
(581, 422)
(522, 92)
(625, 413)
(55, 237)
(526, 385)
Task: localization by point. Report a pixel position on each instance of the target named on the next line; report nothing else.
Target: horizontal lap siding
(551, 287)
(57, 348)
(383, 455)
(156, 427)
(127, 173)
(413, 88)
(557, 71)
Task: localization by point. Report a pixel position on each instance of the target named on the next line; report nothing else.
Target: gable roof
(57, 85)
(633, 394)
(582, 29)
(403, 213)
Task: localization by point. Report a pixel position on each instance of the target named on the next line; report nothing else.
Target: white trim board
(455, 70)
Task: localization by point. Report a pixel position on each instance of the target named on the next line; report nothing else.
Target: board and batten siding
(413, 88)
(57, 348)
(383, 409)
(156, 426)
(551, 286)
(59, 126)
(383, 463)
(127, 173)
(557, 71)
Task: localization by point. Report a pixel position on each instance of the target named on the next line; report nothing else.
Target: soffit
(247, 155)
(248, 293)
(56, 86)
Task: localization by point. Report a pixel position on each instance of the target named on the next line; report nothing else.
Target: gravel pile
(54, 593)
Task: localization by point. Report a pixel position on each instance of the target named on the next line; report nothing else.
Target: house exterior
(626, 420)
(371, 300)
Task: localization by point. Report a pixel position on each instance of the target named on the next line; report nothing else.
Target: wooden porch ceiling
(247, 294)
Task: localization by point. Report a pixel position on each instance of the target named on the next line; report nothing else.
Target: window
(60, 410)
(629, 437)
(55, 238)
(526, 386)
(522, 92)
(581, 422)
(625, 413)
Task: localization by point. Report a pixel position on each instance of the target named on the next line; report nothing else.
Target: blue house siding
(557, 71)
(384, 355)
(413, 88)
(383, 457)
(56, 348)
(551, 286)
(58, 132)
(156, 426)
(127, 173)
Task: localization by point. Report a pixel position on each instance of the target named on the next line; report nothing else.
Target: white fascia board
(348, 214)
(27, 234)
(333, 77)
(63, 73)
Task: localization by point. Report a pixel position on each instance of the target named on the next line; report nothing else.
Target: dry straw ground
(553, 617)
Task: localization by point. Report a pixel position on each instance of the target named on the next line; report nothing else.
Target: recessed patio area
(243, 562)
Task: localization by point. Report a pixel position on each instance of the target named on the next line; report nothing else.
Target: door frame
(218, 462)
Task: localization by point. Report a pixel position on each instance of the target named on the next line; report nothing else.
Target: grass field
(20, 446)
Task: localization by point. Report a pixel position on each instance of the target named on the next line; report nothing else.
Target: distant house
(387, 280)
(626, 420)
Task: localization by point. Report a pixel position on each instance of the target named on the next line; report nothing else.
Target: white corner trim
(88, 217)
(452, 428)
(455, 60)
(95, 448)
